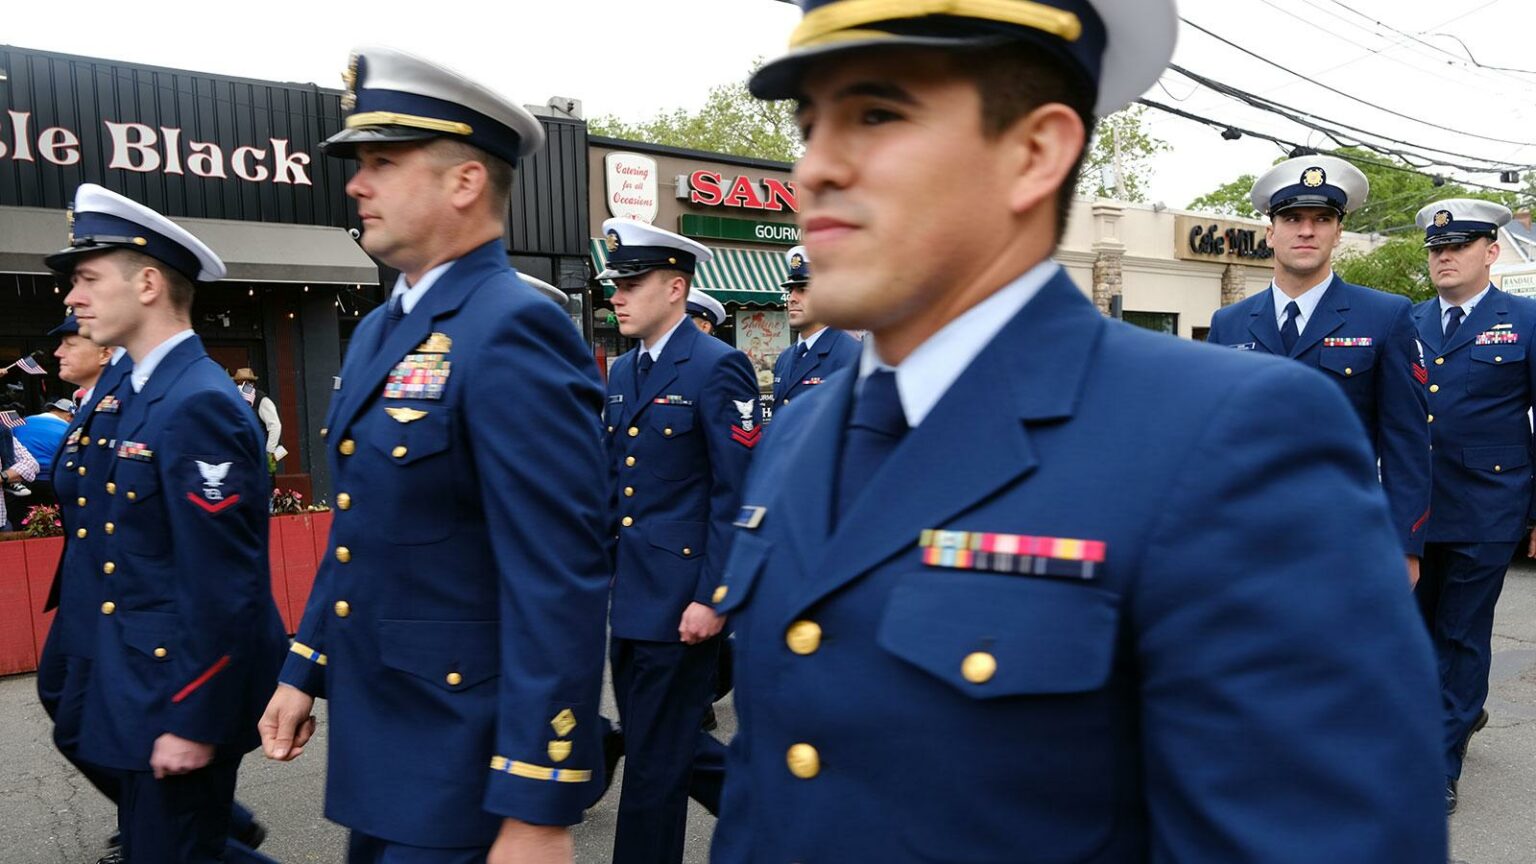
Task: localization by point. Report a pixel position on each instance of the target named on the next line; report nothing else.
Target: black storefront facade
(237, 162)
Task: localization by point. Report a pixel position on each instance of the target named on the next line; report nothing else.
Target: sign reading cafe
(1201, 239)
(149, 149)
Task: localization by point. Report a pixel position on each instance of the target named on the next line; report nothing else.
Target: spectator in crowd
(266, 412)
(41, 434)
(23, 469)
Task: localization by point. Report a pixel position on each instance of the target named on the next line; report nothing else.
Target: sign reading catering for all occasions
(1199, 239)
(631, 186)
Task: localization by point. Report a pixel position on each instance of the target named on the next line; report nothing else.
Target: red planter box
(42, 562)
(18, 651)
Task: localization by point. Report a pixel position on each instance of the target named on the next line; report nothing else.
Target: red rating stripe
(745, 438)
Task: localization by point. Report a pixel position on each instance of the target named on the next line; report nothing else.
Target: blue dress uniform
(456, 623)
(1362, 339)
(809, 362)
(1482, 383)
(679, 443)
(1080, 603)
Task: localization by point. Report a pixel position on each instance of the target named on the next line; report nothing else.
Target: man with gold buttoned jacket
(1360, 338)
(187, 638)
(682, 420)
(458, 636)
(1031, 584)
(1482, 384)
(820, 350)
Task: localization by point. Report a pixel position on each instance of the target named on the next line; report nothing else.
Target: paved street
(49, 816)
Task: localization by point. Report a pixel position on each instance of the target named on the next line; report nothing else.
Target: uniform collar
(146, 367)
(1307, 302)
(1467, 307)
(926, 375)
(409, 294)
(810, 342)
(661, 344)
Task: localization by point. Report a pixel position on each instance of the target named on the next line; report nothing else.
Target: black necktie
(794, 368)
(1288, 333)
(874, 430)
(1452, 321)
(392, 315)
(643, 370)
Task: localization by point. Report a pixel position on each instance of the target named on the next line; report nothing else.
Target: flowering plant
(43, 521)
(288, 501)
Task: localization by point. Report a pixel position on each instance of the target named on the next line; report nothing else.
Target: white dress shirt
(146, 367)
(661, 344)
(1307, 302)
(409, 294)
(1466, 308)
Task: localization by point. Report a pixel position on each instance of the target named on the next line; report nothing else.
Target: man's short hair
(131, 262)
(498, 171)
(1015, 80)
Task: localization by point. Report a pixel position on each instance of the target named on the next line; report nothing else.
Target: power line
(1436, 48)
(1337, 91)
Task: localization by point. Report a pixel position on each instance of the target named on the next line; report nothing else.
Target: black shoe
(253, 836)
(1450, 797)
(710, 721)
(1477, 725)
(613, 751)
(113, 857)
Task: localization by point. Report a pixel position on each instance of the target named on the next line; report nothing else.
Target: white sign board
(1522, 284)
(631, 186)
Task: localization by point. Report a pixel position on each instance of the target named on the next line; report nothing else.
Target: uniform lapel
(1263, 327)
(442, 300)
(677, 350)
(806, 508)
(1484, 316)
(975, 441)
(1427, 317)
(159, 384)
(1326, 318)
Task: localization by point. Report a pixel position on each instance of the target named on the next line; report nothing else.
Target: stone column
(1109, 253)
(1234, 284)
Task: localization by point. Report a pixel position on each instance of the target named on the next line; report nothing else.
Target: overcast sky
(635, 57)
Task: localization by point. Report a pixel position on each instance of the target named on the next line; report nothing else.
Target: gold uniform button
(132, 495)
(69, 464)
(101, 442)
(160, 652)
(804, 762)
(1498, 359)
(84, 442)
(399, 452)
(347, 447)
(667, 432)
(108, 608)
(687, 552)
(803, 637)
(109, 568)
(324, 431)
(610, 429)
(1431, 418)
(979, 667)
(719, 594)
(81, 470)
(1348, 371)
(629, 461)
(80, 533)
(629, 491)
(111, 488)
(1498, 468)
(343, 608)
(343, 554)
(111, 528)
(627, 521)
(633, 431)
(1434, 388)
(80, 502)
(454, 679)
(1439, 361)
(786, 400)
(343, 501)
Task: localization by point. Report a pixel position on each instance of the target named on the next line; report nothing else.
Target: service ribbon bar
(1501, 338)
(1012, 553)
(1348, 342)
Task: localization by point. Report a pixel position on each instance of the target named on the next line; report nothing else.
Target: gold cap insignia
(1313, 177)
(437, 343)
(559, 751)
(564, 722)
(796, 262)
(405, 415)
(1442, 218)
(349, 78)
(613, 241)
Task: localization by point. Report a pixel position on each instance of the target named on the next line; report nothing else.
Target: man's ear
(1047, 143)
(149, 285)
(467, 183)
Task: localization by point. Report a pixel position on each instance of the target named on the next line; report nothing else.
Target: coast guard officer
(682, 420)
(456, 624)
(820, 350)
(706, 312)
(1033, 584)
(1482, 383)
(1360, 338)
(186, 637)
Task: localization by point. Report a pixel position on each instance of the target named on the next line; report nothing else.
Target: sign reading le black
(1241, 242)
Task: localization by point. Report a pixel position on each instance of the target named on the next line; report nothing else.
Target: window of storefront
(1161, 322)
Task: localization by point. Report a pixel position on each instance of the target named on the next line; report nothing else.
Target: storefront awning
(747, 277)
(253, 251)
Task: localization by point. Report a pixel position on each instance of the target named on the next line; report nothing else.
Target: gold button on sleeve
(803, 760)
(803, 637)
(720, 594)
(343, 554)
(979, 667)
(343, 608)
(454, 679)
(343, 501)
(108, 608)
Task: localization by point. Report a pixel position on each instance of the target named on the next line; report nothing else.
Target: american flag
(29, 366)
(248, 390)
(11, 420)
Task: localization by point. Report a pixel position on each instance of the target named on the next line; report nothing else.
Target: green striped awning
(746, 277)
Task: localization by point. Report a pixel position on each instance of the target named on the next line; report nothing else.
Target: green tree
(1399, 266)
(730, 121)
(1137, 147)
(1229, 199)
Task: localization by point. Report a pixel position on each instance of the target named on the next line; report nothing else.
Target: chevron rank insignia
(108, 405)
(1012, 553)
(405, 415)
(437, 343)
(1348, 342)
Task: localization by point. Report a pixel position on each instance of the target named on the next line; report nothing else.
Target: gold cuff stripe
(538, 772)
(390, 118)
(307, 653)
(849, 14)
